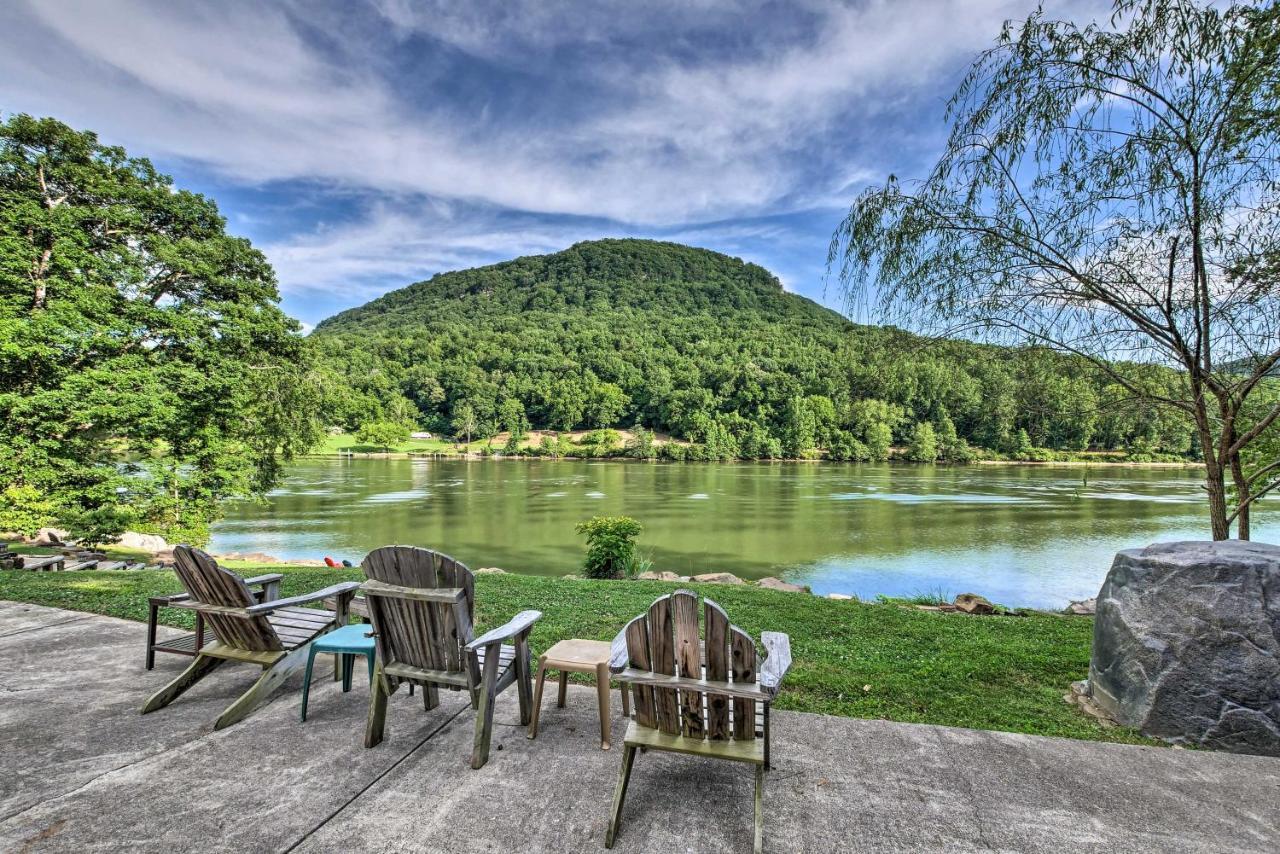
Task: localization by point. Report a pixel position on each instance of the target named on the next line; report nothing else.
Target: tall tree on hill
(145, 370)
(1113, 192)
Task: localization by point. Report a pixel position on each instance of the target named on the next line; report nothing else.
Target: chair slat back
(665, 639)
(428, 635)
(210, 584)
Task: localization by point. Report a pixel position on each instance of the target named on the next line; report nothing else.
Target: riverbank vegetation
(851, 658)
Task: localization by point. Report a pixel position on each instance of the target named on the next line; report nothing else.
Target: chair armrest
(619, 654)
(270, 584)
(334, 590)
(519, 624)
(264, 579)
(778, 649)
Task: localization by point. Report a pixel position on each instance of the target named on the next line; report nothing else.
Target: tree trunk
(1242, 496)
(1217, 498)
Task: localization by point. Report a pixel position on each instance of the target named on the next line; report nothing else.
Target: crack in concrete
(78, 619)
(331, 816)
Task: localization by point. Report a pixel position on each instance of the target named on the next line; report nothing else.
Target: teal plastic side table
(348, 642)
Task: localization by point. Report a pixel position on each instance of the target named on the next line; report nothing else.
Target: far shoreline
(498, 457)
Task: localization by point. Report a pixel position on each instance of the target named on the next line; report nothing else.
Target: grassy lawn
(851, 658)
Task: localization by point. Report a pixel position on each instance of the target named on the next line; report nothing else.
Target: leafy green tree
(611, 545)
(512, 417)
(607, 404)
(719, 443)
(464, 421)
(951, 447)
(640, 445)
(384, 434)
(799, 430)
(845, 448)
(879, 439)
(1109, 192)
(923, 446)
(146, 372)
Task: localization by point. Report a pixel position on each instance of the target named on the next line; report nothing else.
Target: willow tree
(146, 372)
(1109, 190)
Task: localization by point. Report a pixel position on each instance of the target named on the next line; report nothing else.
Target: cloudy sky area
(367, 144)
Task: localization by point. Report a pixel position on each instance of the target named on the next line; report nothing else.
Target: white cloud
(239, 88)
(682, 116)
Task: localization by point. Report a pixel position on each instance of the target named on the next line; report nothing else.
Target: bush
(611, 545)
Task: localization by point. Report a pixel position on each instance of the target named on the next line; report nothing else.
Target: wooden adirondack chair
(421, 604)
(274, 635)
(684, 706)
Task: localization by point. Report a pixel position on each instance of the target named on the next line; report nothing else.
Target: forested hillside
(618, 333)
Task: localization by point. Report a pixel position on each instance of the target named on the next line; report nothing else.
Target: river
(1036, 536)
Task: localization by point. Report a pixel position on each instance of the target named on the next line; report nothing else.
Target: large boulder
(1186, 644)
(142, 542)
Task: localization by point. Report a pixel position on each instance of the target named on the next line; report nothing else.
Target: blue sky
(368, 144)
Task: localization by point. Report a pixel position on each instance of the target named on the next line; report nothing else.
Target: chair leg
(271, 679)
(430, 696)
(602, 694)
(768, 766)
(537, 695)
(620, 794)
(348, 665)
(524, 686)
(626, 700)
(197, 670)
(564, 689)
(151, 635)
(306, 682)
(759, 838)
(484, 717)
(370, 656)
(377, 710)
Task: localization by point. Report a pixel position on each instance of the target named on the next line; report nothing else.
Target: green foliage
(25, 510)
(641, 445)
(384, 434)
(923, 447)
(701, 346)
(879, 438)
(146, 373)
(598, 443)
(611, 545)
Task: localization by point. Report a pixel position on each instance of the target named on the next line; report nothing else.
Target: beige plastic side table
(578, 656)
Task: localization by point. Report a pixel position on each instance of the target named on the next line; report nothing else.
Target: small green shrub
(611, 545)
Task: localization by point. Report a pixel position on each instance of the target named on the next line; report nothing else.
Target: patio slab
(86, 772)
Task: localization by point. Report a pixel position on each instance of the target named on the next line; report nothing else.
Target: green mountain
(615, 333)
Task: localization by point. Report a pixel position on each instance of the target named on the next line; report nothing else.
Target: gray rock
(50, 537)
(490, 570)
(771, 583)
(841, 596)
(718, 578)
(1186, 644)
(1082, 608)
(142, 542)
(972, 603)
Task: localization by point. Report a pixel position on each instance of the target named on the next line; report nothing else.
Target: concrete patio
(83, 771)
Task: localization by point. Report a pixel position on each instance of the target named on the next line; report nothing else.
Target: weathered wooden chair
(274, 635)
(684, 706)
(422, 604)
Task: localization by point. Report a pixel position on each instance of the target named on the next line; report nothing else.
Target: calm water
(1022, 535)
